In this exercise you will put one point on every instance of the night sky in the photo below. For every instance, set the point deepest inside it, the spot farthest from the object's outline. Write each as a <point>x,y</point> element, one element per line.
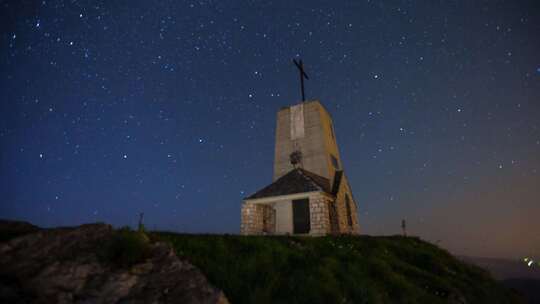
<point>111,108</point>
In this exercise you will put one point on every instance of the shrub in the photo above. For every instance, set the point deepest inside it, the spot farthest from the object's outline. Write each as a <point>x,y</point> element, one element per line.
<point>127,248</point>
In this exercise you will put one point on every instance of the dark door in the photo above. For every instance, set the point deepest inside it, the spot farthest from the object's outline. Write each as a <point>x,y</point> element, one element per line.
<point>301,223</point>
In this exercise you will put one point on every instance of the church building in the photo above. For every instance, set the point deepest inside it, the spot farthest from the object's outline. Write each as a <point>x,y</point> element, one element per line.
<point>310,194</point>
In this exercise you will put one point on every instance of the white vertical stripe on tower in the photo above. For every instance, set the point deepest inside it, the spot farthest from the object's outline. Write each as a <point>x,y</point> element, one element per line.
<point>297,121</point>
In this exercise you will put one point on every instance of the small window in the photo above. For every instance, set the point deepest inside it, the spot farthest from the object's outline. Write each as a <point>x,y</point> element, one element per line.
<point>348,206</point>
<point>334,162</point>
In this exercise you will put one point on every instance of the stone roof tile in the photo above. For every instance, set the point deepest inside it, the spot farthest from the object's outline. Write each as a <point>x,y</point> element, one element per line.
<point>296,181</point>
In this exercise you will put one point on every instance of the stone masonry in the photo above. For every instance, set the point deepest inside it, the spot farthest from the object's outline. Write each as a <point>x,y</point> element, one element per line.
<point>319,214</point>
<point>341,208</point>
<point>257,219</point>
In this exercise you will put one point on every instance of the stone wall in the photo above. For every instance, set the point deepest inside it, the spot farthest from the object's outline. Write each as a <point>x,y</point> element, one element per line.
<point>269,219</point>
<point>319,215</point>
<point>260,218</point>
<point>257,219</point>
<point>341,208</point>
<point>333,215</point>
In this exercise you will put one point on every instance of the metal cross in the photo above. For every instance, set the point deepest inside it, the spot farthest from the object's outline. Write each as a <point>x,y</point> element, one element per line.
<point>300,65</point>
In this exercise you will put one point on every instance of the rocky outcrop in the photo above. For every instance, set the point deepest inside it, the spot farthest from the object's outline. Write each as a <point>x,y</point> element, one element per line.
<point>67,265</point>
<point>10,229</point>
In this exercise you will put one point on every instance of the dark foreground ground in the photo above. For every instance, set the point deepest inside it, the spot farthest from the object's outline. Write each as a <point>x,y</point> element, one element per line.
<point>262,269</point>
<point>345,269</point>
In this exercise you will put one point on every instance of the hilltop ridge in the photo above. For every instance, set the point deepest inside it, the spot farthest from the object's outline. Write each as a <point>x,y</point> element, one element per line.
<point>76,264</point>
<point>337,269</point>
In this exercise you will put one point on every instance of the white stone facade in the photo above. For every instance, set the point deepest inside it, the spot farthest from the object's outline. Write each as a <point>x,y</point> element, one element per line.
<point>273,215</point>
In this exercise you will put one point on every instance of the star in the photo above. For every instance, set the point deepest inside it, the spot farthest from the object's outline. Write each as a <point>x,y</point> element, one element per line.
<point>89,83</point>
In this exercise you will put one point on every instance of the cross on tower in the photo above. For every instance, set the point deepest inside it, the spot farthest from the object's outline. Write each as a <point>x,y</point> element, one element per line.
<point>300,65</point>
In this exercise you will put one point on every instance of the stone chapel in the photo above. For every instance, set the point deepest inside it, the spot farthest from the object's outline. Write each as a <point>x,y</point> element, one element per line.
<point>310,194</point>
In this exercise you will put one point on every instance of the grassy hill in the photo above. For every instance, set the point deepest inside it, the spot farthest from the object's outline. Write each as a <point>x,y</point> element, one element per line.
<point>346,269</point>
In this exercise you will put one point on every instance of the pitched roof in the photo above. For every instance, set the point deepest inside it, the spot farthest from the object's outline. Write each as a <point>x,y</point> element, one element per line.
<point>296,181</point>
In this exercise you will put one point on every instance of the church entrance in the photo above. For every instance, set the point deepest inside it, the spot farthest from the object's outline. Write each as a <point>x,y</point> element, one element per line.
<point>301,222</point>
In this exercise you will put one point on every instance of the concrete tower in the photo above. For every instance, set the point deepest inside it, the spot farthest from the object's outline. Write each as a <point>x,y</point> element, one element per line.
<point>310,193</point>
<point>307,128</point>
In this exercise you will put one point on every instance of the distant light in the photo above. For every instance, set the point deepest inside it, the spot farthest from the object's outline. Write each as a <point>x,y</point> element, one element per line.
<point>40,155</point>
<point>530,263</point>
<point>125,156</point>
<point>375,76</point>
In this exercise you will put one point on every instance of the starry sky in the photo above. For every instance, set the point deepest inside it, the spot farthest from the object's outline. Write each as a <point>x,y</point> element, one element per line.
<point>111,108</point>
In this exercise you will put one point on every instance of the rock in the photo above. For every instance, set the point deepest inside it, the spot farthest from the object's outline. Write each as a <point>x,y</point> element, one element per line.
<point>67,265</point>
<point>10,229</point>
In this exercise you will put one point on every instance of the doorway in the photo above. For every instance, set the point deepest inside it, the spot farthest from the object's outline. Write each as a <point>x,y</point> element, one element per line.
<point>301,221</point>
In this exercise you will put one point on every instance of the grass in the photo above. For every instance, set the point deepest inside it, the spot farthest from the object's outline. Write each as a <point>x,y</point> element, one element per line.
<point>346,269</point>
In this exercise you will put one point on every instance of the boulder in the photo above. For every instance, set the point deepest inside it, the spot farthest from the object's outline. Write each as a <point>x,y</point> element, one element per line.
<point>70,265</point>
